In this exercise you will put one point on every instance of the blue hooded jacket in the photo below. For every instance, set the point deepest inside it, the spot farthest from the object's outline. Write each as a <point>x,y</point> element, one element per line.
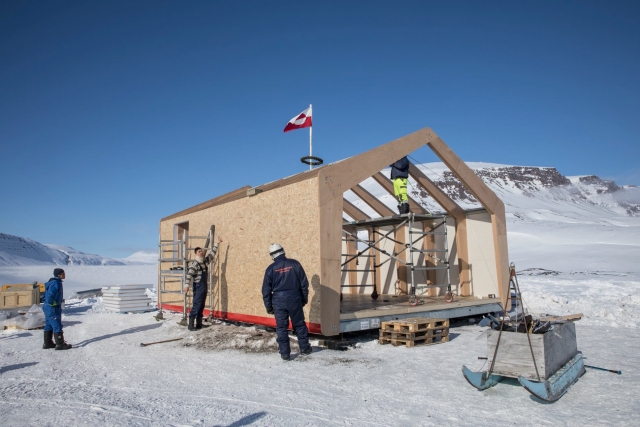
<point>53,292</point>
<point>400,169</point>
<point>284,276</point>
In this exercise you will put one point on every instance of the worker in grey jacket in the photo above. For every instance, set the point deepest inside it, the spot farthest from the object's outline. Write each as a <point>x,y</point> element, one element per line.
<point>197,275</point>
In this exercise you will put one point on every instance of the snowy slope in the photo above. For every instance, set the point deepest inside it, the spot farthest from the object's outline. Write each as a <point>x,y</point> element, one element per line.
<point>17,251</point>
<point>80,258</point>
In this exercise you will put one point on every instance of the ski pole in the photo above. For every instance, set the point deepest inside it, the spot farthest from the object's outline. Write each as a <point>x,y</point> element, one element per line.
<point>604,369</point>
<point>143,344</point>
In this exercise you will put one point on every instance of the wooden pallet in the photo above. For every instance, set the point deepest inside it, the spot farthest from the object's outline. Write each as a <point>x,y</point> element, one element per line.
<point>414,332</point>
<point>433,338</point>
<point>415,324</point>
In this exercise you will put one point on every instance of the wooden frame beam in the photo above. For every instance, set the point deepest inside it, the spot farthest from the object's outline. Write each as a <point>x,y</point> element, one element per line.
<point>371,200</point>
<point>353,211</point>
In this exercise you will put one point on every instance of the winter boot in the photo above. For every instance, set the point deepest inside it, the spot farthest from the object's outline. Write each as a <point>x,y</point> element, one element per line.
<point>306,351</point>
<point>60,344</point>
<point>199,324</point>
<point>191,327</point>
<point>48,340</point>
<point>285,357</point>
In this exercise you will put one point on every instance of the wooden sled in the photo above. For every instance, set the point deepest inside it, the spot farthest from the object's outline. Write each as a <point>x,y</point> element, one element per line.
<point>549,390</point>
<point>481,380</point>
<point>557,385</point>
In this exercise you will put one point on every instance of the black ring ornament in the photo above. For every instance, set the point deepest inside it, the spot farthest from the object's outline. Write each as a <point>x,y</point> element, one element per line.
<point>312,160</point>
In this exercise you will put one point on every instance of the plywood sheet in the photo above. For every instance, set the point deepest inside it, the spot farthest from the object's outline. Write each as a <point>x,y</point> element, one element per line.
<point>285,214</point>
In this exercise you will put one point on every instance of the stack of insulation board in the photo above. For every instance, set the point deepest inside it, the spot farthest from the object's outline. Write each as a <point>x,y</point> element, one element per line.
<point>126,298</point>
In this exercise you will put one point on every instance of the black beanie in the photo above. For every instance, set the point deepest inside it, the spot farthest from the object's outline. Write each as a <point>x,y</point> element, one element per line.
<point>57,272</point>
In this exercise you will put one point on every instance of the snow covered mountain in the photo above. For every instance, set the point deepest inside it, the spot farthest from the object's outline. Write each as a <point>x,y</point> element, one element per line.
<point>16,250</point>
<point>548,214</point>
<point>523,189</point>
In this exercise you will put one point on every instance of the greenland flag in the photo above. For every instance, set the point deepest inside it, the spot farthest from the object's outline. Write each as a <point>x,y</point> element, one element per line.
<point>302,120</point>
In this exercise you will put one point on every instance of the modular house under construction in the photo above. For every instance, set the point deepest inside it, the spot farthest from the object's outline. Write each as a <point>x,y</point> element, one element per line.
<point>361,272</point>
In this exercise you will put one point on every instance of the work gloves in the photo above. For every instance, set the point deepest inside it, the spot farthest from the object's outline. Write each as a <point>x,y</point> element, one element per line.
<point>269,310</point>
<point>305,301</point>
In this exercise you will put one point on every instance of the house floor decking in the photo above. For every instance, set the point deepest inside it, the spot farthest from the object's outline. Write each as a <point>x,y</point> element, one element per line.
<point>359,312</point>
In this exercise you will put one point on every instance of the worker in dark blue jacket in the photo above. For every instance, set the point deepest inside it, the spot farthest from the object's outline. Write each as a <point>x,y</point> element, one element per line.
<point>285,290</point>
<point>399,176</point>
<point>52,307</point>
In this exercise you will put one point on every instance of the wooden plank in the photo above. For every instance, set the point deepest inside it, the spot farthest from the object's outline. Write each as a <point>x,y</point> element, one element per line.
<point>429,242</point>
<point>414,324</point>
<point>376,262</point>
<point>422,333</point>
<point>434,191</point>
<point>352,249</point>
<point>16,327</point>
<point>417,342</point>
<point>401,270</point>
<point>225,198</point>
<point>372,201</point>
<point>290,179</point>
<point>330,260</point>
<point>387,184</point>
<point>573,317</point>
<point>353,211</point>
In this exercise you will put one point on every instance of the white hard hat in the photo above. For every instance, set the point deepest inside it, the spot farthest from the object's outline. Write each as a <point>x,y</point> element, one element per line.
<point>275,250</point>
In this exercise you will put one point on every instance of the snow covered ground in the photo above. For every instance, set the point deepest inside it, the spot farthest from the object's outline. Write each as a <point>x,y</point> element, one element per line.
<point>203,380</point>
<point>108,379</point>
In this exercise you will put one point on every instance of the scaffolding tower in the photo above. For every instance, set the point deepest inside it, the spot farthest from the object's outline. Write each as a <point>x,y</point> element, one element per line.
<point>439,256</point>
<point>179,253</point>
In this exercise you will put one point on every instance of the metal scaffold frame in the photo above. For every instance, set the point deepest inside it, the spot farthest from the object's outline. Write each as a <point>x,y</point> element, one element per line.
<point>398,221</point>
<point>182,251</point>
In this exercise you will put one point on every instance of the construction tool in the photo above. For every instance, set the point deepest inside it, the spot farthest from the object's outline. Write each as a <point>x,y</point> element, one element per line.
<point>604,369</point>
<point>145,344</point>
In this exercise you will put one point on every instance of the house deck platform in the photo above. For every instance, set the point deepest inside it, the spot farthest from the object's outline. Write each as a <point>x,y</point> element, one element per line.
<point>359,312</point>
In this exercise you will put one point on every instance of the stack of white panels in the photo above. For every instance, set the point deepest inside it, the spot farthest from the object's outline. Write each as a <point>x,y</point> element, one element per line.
<point>126,298</point>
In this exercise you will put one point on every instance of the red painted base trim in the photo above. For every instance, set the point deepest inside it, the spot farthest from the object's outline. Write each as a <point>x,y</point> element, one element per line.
<point>314,328</point>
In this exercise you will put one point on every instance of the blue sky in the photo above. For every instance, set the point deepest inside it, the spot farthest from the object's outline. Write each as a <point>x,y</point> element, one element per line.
<point>116,114</point>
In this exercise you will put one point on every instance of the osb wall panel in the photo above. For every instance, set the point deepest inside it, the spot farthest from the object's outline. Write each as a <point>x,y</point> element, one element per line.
<point>287,215</point>
<point>484,280</point>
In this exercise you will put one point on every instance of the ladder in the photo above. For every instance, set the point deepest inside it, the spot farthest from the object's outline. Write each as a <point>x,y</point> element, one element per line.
<point>174,257</point>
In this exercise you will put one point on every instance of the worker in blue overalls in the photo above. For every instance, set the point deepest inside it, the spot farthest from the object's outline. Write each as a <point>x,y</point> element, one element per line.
<point>52,308</point>
<point>285,290</point>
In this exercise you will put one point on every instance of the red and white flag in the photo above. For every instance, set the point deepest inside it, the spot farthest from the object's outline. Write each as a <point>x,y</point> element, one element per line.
<point>302,120</point>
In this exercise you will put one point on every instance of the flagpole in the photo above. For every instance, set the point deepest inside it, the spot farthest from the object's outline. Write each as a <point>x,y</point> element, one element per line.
<point>310,143</point>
